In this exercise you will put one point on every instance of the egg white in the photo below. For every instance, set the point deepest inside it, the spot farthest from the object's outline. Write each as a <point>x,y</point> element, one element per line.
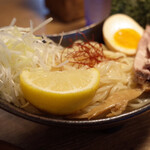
<point>114,23</point>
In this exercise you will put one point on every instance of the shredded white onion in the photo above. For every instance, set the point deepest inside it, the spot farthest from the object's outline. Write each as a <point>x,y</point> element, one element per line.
<point>13,22</point>
<point>20,49</point>
<point>41,25</point>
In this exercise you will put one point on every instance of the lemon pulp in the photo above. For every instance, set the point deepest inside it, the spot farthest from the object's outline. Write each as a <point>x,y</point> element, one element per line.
<point>59,92</point>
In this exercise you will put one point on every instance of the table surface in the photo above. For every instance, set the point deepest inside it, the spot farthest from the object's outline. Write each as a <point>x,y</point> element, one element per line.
<point>133,135</point>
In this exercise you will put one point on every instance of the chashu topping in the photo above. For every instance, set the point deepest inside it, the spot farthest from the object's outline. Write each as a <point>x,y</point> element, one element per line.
<point>142,59</point>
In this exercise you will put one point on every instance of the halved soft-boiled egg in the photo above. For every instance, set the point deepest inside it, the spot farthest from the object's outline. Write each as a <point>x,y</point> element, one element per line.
<point>122,33</point>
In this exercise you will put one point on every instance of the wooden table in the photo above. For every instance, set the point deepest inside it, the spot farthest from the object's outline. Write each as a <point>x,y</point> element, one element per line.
<point>26,10</point>
<point>134,135</point>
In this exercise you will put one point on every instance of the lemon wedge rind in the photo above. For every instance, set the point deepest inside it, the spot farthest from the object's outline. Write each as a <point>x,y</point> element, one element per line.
<point>60,102</point>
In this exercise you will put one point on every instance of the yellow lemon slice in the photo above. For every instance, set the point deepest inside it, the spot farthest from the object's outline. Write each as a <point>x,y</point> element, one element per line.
<point>60,92</point>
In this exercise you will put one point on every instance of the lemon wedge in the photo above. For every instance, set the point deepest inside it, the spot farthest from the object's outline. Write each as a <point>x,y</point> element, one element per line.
<point>60,92</point>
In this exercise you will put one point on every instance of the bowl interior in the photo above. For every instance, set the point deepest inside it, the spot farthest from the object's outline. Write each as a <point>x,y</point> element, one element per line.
<point>91,32</point>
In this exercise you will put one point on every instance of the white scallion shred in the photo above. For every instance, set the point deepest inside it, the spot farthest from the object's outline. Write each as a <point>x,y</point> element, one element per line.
<point>20,49</point>
<point>13,22</point>
<point>41,25</point>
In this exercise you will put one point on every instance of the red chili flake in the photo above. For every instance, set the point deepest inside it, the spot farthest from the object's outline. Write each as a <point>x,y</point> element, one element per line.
<point>87,54</point>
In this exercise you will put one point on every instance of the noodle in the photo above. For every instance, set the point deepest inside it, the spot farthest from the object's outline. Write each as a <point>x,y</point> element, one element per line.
<point>115,75</point>
<point>20,49</point>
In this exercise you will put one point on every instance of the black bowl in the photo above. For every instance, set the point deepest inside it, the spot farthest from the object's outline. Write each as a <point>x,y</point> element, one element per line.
<point>82,124</point>
<point>91,32</point>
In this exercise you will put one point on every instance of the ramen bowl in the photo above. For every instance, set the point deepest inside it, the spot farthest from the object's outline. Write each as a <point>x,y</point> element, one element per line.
<point>91,32</point>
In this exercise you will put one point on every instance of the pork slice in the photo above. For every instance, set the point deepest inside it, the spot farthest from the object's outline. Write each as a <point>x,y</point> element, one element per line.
<point>142,58</point>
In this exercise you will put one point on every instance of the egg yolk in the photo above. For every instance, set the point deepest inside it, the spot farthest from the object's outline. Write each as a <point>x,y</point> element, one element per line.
<point>127,38</point>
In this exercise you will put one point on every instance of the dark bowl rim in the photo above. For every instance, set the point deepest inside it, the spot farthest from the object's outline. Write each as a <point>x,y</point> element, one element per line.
<point>66,122</point>
<point>86,27</point>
